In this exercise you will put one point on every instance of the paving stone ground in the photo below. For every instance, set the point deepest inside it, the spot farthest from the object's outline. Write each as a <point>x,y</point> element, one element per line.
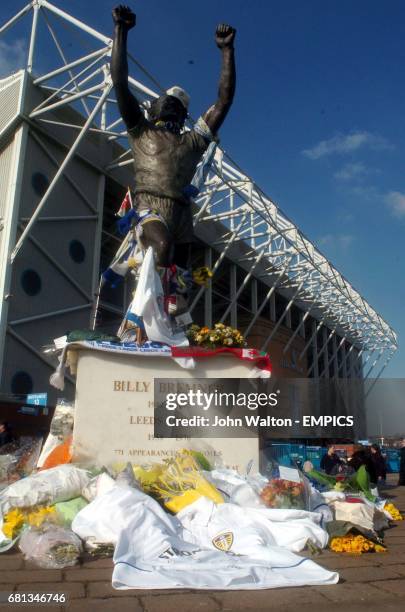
<point>369,582</point>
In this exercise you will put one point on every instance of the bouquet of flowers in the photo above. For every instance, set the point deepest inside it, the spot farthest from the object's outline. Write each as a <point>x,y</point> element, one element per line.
<point>280,493</point>
<point>177,482</point>
<point>359,482</point>
<point>356,544</point>
<point>50,546</point>
<point>17,518</point>
<point>219,335</point>
<point>202,275</point>
<point>393,511</point>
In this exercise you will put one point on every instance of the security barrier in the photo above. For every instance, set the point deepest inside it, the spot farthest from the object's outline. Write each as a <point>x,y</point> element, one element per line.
<point>289,454</point>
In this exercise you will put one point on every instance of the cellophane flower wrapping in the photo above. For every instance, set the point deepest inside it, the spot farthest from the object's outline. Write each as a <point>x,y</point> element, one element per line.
<point>50,546</point>
<point>282,492</point>
<point>177,483</point>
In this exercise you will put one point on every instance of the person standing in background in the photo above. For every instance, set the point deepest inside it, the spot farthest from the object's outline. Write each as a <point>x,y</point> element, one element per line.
<point>331,462</point>
<point>379,463</point>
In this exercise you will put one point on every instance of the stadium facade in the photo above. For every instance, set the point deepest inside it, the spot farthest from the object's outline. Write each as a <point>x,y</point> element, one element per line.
<point>65,166</point>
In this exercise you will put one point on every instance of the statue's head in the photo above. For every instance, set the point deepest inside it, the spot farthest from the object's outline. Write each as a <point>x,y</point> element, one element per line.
<point>171,106</point>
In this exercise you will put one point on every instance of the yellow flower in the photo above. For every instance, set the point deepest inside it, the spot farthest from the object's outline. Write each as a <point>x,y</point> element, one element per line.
<point>378,548</point>
<point>13,521</point>
<point>354,545</point>
<point>394,512</point>
<point>16,518</point>
<point>219,335</point>
<point>202,275</point>
<point>38,516</point>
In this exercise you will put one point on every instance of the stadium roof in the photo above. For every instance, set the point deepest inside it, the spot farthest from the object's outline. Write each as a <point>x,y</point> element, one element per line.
<point>274,247</point>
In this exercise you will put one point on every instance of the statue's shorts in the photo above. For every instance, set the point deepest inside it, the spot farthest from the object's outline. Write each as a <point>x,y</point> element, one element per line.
<point>177,217</point>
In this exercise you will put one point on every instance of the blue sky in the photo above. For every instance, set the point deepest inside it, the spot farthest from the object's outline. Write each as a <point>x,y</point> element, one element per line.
<point>318,119</point>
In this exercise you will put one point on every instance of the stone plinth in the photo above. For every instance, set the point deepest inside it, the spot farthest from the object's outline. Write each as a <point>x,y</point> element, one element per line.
<point>114,410</point>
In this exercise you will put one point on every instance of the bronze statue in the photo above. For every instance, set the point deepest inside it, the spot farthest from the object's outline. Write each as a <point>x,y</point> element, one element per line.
<point>165,158</point>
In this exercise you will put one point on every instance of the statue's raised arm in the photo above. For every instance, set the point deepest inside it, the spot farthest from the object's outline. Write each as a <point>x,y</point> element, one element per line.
<point>124,20</point>
<point>214,117</point>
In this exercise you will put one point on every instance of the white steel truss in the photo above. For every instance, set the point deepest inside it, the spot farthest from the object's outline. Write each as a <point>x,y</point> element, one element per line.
<point>280,254</point>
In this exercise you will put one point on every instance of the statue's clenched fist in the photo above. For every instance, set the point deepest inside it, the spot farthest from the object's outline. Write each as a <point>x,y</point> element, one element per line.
<point>122,15</point>
<point>224,35</point>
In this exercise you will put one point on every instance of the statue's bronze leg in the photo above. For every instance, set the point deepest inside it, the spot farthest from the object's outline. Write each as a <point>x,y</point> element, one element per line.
<point>156,235</point>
